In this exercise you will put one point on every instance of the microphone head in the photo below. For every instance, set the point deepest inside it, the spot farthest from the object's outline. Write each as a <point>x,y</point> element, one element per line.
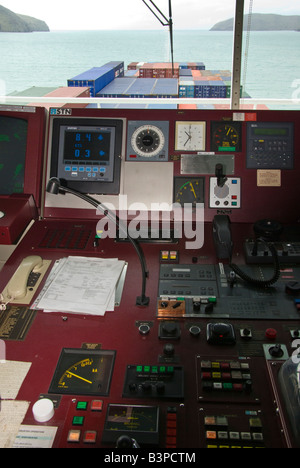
<point>53,185</point>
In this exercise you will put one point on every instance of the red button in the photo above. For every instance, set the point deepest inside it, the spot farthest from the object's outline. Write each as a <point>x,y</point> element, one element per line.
<point>271,333</point>
<point>90,437</point>
<point>97,405</point>
<point>171,424</point>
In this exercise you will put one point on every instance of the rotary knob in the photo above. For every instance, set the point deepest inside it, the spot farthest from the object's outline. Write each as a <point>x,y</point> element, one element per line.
<point>220,334</point>
<point>292,288</point>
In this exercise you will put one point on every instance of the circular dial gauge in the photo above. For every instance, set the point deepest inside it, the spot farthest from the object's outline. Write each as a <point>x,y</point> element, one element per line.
<point>188,190</point>
<point>190,136</point>
<point>226,137</point>
<point>83,372</point>
<point>148,141</point>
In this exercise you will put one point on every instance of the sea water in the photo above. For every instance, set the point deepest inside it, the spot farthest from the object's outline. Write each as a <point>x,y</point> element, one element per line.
<point>271,63</point>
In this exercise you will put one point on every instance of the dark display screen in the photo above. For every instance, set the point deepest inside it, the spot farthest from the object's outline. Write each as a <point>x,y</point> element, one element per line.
<point>13,143</point>
<point>132,418</point>
<point>86,153</point>
<point>87,146</point>
<point>270,131</point>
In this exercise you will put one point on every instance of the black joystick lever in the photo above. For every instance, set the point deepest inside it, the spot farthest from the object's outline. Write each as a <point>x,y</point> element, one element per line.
<point>219,173</point>
<point>126,442</point>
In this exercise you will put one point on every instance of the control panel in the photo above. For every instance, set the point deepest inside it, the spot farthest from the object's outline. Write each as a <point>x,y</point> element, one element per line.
<point>167,329</point>
<point>227,195</point>
<point>270,145</point>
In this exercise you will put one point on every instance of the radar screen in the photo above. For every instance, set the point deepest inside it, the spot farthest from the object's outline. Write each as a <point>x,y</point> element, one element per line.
<point>138,422</point>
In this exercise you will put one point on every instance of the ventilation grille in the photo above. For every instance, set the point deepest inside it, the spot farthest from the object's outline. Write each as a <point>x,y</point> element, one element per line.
<point>72,239</point>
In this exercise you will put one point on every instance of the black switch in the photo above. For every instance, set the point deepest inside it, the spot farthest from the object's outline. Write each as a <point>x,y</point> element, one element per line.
<point>220,334</point>
<point>169,330</point>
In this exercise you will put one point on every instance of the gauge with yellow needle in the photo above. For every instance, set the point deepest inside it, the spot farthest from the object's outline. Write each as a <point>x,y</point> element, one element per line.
<point>83,372</point>
<point>188,190</point>
<point>226,137</point>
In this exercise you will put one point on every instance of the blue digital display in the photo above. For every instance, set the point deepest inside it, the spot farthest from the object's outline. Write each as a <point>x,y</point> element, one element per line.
<point>87,146</point>
<point>86,153</point>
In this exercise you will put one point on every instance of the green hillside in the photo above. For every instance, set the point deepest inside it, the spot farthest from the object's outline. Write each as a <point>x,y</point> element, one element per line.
<point>263,22</point>
<point>13,22</point>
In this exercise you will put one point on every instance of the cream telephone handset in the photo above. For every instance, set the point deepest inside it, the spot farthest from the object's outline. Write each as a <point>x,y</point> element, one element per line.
<point>18,289</point>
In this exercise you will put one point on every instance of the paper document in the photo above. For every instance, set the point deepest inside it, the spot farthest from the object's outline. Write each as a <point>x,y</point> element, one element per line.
<point>84,285</point>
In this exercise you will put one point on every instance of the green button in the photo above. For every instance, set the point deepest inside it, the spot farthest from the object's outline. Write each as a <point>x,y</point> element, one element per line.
<point>170,369</point>
<point>78,420</point>
<point>139,368</point>
<point>81,405</point>
<point>162,369</point>
<point>154,369</point>
<point>147,369</point>
<point>227,386</point>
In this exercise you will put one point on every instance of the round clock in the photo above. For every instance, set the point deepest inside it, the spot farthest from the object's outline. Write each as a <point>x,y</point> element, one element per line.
<point>190,136</point>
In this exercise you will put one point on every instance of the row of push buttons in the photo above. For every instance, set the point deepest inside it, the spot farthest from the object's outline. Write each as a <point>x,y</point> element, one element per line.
<point>171,435</point>
<point>89,436</point>
<point>226,375</point>
<point>84,169</point>
<point>154,370</point>
<point>219,435</point>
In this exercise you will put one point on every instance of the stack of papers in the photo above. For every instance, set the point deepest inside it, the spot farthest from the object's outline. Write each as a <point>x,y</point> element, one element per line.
<point>84,285</point>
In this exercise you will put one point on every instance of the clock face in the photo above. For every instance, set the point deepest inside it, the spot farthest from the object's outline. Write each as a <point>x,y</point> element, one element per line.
<point>190,136</point>
<point>148,141</point>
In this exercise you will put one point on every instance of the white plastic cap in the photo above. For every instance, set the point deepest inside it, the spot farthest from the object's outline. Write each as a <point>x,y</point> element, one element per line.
<point>43,410</point>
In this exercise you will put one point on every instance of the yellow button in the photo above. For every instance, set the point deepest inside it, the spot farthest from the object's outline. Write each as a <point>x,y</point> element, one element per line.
<point>73,436</point>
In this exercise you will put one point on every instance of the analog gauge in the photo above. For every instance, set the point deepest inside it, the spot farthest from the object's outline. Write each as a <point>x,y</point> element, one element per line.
<point>190,136</point>
<point>188,190</point>
<point>83,372</point>
<point>226,137</point>
<point>148,141</point>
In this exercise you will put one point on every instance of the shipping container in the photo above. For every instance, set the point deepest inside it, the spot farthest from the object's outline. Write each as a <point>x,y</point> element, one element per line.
<point>98,77</point>
<point>66,92</point>
<point>117,88</point>
<point>166,87</point>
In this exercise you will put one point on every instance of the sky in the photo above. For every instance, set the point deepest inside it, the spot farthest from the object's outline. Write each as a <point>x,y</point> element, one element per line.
<point>133,14</point>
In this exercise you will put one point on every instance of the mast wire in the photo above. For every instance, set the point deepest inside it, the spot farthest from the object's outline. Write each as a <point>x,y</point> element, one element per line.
<point>247,45</point>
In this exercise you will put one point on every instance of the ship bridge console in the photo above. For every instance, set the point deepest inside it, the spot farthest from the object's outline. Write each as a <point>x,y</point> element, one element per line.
<point>151,297</point>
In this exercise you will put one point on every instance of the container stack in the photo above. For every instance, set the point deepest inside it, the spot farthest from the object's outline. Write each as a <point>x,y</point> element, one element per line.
<point>155,80</point>
<point>159,70</point>
<point>140,88</point>
<point>98,77</point>
<point>205,84</point>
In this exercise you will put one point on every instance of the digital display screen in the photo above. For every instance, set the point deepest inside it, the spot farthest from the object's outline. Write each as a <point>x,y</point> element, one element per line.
<point>140,422</point>
<point>13,143</point>
<point>86,153</point>
<point>270,131</point>
<point>87,145</point>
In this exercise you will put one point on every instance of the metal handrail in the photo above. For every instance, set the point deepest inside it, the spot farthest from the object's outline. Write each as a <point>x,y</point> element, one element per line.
<point>35,100</point>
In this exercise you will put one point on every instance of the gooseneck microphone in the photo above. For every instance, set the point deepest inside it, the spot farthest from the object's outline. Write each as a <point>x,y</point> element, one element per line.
<point>54,186</point>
